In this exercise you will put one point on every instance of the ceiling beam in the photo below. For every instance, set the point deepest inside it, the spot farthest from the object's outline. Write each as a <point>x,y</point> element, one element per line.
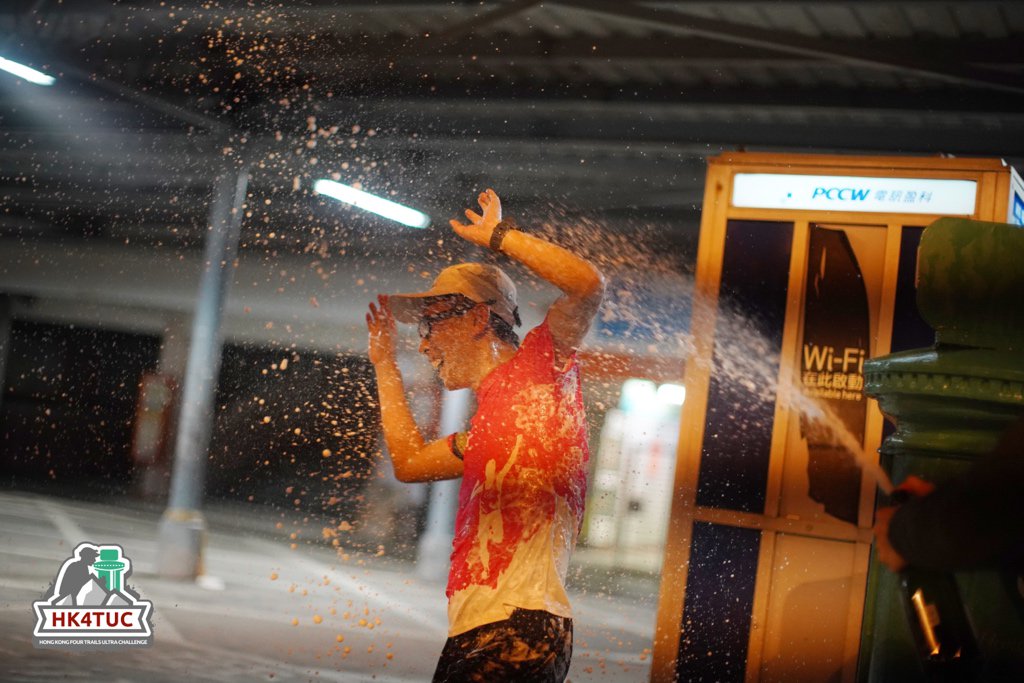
<point>156,104</point>
<point>569,128</point>
<point>933,66</point>
<point>298,7</point>
<point>352,52</point>
<point>478,22</point>
<point>685,127</point>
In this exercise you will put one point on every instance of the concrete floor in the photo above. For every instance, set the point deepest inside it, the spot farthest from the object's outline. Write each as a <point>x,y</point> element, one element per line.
<point>265,611</point>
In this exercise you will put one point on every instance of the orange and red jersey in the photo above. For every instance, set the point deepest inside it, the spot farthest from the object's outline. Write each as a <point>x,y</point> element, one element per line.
<point>523,489</point>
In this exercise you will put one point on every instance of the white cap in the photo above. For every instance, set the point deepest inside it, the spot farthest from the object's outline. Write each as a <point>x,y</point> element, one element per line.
<point>479,282</point>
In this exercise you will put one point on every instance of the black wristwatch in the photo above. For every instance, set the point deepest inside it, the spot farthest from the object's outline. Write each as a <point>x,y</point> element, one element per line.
<point>498,234</point>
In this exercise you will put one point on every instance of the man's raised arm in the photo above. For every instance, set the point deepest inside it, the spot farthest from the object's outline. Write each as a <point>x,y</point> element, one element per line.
<point>412,458</point>
<point>581,283</point>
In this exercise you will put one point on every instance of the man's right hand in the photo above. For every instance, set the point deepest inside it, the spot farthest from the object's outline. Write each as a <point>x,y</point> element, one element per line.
<point>381,325</point>
<point>916,486</point>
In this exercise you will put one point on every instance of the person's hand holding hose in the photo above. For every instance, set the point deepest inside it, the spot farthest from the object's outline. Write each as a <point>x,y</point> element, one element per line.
<point>911,487</point>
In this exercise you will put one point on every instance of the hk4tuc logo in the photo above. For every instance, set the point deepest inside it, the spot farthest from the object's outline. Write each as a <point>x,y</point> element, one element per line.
<point>90,604</point>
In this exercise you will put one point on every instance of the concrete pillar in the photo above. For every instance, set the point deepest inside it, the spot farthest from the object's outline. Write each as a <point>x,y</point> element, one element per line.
<point>182,527</point>
<point>435,547</point>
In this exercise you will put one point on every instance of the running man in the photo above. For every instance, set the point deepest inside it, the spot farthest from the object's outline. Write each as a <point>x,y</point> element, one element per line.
<point>523,460</point>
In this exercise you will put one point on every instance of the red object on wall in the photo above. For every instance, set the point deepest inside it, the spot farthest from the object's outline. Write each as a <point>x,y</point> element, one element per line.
<point>153,412</point>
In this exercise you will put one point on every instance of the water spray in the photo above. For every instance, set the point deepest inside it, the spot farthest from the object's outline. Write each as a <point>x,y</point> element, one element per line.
<point>820,411</point>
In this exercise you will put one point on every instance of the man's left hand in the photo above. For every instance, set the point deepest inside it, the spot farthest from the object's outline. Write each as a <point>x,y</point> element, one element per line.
<point>480,226</point>
<point>888,555</point>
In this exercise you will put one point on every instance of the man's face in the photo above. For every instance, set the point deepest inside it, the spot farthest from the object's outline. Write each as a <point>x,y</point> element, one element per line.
<point>446,337</point>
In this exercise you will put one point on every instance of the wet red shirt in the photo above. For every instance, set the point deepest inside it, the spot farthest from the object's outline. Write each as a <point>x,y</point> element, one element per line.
<point>523,489</point>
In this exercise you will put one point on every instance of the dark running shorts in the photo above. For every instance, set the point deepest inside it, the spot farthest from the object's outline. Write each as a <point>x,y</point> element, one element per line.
<point>531,646</point>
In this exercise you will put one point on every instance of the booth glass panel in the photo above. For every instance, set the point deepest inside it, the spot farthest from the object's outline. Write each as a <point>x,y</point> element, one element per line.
<point>715,632</point>
<point>745,365</point>
<point>909,330</point>
<point>810,594</point>
<point>839,329</point>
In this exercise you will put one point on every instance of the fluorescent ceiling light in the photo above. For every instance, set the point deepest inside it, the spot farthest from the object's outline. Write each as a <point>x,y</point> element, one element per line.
<point>28,73</point>
<point>372,203</point>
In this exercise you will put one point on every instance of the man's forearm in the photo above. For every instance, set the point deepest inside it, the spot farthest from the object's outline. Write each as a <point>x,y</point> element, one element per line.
<point>401,434</point>
<point>575,276</point>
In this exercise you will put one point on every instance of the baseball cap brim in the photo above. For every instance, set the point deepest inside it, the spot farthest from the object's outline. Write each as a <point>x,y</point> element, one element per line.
<point>477,282</point>
<point>408,308</point>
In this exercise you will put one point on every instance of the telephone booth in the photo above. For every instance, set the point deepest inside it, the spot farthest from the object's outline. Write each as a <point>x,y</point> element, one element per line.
<point>805,268</point>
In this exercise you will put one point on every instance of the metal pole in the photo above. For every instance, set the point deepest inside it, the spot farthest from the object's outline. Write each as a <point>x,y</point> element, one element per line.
<point>5,342</point>
<point>435,547</point>
<point>182,527</point>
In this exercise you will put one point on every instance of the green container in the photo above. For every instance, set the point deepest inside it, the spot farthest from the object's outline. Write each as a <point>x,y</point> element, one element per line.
<point>950,404</point>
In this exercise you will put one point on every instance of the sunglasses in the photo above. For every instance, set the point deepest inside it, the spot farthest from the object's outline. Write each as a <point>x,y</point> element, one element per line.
<point>459,307</point>
<point>428,321</point>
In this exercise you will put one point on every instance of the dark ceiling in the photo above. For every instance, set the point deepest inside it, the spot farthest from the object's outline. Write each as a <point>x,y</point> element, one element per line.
<point>599,106</point>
